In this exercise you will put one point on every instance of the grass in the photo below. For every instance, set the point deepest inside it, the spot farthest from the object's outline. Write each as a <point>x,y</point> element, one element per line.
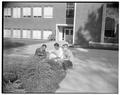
<point>32,75</point>
<point>12,42</point>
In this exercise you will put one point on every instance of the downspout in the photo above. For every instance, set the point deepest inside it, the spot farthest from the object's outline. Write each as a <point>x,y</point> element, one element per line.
<point>74,23</point>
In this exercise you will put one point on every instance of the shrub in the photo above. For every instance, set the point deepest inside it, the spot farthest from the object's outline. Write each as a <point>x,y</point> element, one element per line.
<point>52,37</point>
<point>35,75</point>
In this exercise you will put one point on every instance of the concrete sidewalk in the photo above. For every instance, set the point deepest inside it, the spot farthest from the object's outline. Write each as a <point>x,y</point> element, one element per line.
<point>94,71</point>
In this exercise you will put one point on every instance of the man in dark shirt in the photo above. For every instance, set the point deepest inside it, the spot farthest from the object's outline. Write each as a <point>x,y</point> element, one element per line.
<point>41,52</point>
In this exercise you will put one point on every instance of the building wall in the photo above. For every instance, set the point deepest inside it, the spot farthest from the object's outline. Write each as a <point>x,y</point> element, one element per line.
<point>88,23</point>
<point>59,17</point>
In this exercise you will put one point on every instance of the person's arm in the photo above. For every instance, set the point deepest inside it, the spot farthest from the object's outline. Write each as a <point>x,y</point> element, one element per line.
<point>54,53</point>
<point>61,54</point>
<point>38,52</point>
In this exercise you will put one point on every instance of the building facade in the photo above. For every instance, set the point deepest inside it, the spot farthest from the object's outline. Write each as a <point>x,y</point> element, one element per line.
<point>32,20</point>
<point>96,23</point>
<point>76,23</point>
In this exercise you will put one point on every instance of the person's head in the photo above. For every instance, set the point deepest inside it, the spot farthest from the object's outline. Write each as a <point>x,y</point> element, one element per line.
<point>44,46</point>
<point>65,46</point>
<point>56,45</point>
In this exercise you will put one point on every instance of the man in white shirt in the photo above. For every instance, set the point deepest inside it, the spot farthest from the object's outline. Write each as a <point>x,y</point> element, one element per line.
<point>57,53</point>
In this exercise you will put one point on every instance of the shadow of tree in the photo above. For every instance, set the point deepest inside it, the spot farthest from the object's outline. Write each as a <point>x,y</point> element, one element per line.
<point>94,25</point>
<point>7,44</point>
<point>91,30</point>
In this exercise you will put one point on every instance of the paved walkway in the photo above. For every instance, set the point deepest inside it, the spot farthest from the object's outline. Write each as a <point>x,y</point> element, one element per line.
<point>94,71</point>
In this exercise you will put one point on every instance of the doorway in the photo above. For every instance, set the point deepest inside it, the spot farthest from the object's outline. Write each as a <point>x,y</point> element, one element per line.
<point>64,32</point>
<point>68,35</point>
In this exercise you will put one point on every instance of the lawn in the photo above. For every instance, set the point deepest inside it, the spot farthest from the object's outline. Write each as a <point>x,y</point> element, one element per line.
<point>29,74</point>
<point>96,71</point>
<point>12,42</point>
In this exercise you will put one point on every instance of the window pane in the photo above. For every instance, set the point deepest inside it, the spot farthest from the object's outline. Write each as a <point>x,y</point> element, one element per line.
<point>26,12</point>
<point>7,33</point>
<point>109,33</point>
<point>16,13</point>
<point>7,12</point>
<point>26,34</point>
<point>48,12</point>
<point>70,13</point>
<point>109,27</point>
<point>37,11</point>
<point>71,32</point>
<point>46,34</point>
<point>16,33</point>
<point>36,34</point>
<point>70,5</point>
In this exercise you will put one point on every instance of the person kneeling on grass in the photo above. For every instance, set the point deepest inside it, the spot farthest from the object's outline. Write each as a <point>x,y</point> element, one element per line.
<point>67,57</point>
<point>41,52</point>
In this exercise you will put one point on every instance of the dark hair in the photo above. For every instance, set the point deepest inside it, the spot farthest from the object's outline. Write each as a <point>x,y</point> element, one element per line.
<point>56,44</point>
<point>44,45</point>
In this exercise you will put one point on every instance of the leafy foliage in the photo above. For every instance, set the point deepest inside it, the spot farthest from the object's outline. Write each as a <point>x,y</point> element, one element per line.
<point>33,75</point>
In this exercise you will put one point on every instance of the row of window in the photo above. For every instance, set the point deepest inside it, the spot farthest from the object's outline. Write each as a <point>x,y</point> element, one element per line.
<point>34,34</point>
<point>27,12</point>
<point>70,10</point>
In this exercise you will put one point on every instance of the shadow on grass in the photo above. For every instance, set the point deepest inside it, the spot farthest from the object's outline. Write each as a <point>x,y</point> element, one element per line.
<point>7,44</point>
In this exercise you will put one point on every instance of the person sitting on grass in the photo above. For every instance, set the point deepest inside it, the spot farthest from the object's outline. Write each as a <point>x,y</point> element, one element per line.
<point>57,53</point>
<point>41,52</point>
<point>67,57</point>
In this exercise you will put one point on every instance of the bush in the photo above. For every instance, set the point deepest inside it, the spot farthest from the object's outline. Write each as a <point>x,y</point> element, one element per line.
<point>35,75</point>
<point>52,37</point>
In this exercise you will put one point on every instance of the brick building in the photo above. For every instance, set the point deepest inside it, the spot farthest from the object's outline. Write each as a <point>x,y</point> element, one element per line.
<point>76,23</point>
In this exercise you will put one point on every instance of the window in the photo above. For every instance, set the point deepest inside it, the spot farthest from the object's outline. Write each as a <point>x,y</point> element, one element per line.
<point>109,27</point>
<point>26,34</point>
<point>70,10</point>
<point>70,13</point>
<point>46,34</point>
<point>36,34</point>
<point>7,12</point>
<point>48,12</point>
<point>67,32</point>
<point>26,12</point>
<point>7,33</point>
<point>16,33</point>
<point>37,12</point>
<point>71,32</point>
<point>16,12</point>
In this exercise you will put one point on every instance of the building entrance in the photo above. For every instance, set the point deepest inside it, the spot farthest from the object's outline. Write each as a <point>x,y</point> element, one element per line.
<point>68,35</point>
